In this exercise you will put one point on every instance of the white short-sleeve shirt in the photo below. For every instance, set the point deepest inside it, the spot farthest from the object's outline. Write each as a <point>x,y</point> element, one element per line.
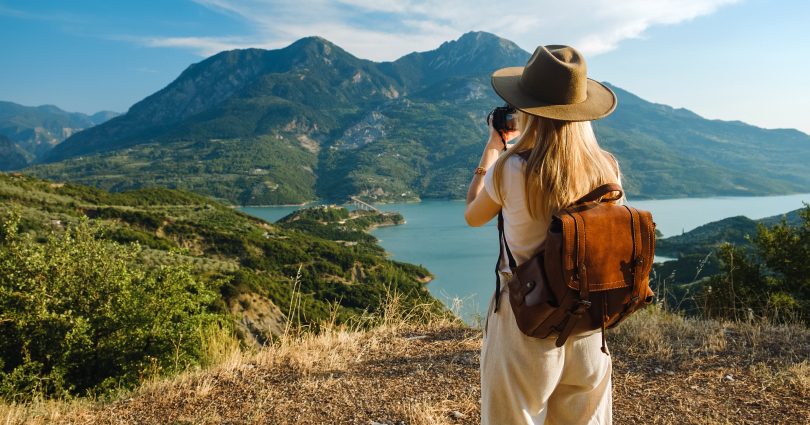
<point>524,235</point>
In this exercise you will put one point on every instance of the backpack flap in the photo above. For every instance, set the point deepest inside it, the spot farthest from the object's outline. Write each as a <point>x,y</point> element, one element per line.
<point>614,243</point>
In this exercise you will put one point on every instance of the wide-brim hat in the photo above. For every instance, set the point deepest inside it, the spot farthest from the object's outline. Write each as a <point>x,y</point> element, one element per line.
<point>554,84</point>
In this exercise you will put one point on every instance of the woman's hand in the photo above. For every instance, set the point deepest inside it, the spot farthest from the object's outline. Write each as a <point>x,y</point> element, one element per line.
<point>480,207</point>
<point>495,137</point>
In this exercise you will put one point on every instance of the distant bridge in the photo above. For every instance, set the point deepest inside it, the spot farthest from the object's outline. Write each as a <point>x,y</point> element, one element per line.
<point>362,205</point>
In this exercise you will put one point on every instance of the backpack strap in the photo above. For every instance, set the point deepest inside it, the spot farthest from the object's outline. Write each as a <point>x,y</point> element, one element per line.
<point>638,266</point>
<point>600,192</point>
<point>512,262</point>
<point>581,275</point>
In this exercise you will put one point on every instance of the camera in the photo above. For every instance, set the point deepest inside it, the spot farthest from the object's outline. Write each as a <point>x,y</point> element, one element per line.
<point>503,118</point>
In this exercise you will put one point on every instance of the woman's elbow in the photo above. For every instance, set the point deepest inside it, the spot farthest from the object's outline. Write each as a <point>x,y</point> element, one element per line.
<point>472,220</point>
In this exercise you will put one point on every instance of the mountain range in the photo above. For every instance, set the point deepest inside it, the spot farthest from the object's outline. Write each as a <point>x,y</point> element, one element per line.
<point>35,130</point>
<point>309,121</point>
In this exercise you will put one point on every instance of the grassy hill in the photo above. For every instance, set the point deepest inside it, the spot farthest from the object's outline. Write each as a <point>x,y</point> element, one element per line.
<point>310,121</point>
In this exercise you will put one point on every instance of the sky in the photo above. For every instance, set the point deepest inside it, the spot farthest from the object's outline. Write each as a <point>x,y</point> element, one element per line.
<point>744,60</point>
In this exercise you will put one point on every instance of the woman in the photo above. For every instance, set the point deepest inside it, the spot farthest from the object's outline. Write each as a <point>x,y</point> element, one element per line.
<point>555,161</point>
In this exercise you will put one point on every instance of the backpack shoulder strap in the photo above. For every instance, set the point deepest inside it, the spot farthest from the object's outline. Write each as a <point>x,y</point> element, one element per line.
<point>512,263</point>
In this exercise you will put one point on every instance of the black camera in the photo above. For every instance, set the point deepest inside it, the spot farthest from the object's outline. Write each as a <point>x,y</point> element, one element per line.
<point>504,118</point>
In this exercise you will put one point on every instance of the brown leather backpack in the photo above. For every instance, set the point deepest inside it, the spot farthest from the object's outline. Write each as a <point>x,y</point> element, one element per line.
<point>592,274</point>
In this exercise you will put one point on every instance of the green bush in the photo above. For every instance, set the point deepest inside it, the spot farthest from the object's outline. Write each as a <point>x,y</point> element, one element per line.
<point>77,317</point>
<point>774,280</point>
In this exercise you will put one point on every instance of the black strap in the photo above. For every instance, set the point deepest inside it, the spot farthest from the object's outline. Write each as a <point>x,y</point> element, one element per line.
<point>512,263</point>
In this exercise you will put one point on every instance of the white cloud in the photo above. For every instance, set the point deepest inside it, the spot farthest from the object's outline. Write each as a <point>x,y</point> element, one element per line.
<point>204,46</point>
<point>387,29</point>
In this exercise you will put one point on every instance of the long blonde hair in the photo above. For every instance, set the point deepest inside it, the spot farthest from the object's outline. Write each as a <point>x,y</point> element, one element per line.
<point>564,163</point>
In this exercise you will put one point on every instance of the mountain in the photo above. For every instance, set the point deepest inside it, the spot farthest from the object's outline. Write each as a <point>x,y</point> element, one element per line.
<point>103,116</point>
<point>36,130</point>
<point>309,121</point>
<point>669,152</point>
<point>11,156</point>
<point>475,53</point>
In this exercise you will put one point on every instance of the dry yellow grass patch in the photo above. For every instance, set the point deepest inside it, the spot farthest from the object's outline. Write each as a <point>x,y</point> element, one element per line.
<point>418,368</point>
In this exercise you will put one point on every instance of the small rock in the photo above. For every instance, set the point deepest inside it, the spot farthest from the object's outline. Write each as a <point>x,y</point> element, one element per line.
<point>729,378</point>
<point>658,370</point>
<point>415,337</point>
<point>669,372</point>
<point>457,415</point>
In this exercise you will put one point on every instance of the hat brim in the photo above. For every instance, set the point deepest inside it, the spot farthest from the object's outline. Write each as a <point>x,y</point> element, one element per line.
<point>600,102</point>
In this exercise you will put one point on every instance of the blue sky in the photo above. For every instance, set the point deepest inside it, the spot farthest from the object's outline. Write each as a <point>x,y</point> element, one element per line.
<point>723,59</point>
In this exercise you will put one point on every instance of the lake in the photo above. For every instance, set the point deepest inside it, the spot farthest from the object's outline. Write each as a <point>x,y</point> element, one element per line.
<point>463,258</point>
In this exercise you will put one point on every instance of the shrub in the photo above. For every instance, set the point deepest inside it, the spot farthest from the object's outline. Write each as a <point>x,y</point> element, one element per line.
<point>774,280</point>
<point>76,316</point>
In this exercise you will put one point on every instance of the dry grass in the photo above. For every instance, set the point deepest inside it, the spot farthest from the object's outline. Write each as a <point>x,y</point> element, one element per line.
<point>415,367</point>
<point>671,369</point>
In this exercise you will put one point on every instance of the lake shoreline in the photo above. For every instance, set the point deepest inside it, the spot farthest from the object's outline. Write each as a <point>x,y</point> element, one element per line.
<point>462,258</point>
<point>644,199</point>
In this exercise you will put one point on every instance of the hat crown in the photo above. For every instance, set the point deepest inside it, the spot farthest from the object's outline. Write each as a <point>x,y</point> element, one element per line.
<point>557,75</point>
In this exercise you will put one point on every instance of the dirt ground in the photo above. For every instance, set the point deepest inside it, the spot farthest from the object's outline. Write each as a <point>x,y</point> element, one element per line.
<point>667,370</point>
<point>432,376</point>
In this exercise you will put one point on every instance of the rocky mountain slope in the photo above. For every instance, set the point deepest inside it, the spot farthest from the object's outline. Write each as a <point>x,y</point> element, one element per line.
<point>36,130</point>
<point>11,156</point>
<point>259,127</point>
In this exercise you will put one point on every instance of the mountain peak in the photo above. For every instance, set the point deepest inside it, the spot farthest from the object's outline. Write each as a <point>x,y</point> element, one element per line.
<point>474,53</point>
<point>470,48</point>
<point>325,46</point>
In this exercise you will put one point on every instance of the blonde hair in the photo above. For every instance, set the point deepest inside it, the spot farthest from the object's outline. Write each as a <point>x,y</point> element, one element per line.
<point>564,163</point>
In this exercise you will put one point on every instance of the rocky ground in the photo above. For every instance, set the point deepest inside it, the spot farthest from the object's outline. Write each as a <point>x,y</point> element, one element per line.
<point>667,370</point>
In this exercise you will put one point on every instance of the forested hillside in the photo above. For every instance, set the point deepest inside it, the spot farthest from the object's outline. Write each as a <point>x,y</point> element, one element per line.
<point>66,293</point>
<point>311,121</point>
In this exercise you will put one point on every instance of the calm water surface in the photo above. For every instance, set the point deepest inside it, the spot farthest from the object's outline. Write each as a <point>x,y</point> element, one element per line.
<point>463,258</point>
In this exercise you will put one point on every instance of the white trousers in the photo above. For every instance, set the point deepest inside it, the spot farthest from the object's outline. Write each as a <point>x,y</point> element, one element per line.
<point>531,381</point>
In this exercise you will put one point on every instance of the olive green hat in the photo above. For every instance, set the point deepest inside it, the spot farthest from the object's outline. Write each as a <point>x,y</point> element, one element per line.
<point>554,84</point>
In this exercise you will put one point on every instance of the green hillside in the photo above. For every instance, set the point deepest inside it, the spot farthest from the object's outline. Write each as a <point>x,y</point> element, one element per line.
<point>697,249</point>
<point>310,121</point>
<point>262,259</point>
<point>733,230</point>
<point>670,152</point>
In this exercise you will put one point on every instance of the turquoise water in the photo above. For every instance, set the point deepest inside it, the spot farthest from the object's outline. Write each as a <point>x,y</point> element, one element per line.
<point>463,258</point>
